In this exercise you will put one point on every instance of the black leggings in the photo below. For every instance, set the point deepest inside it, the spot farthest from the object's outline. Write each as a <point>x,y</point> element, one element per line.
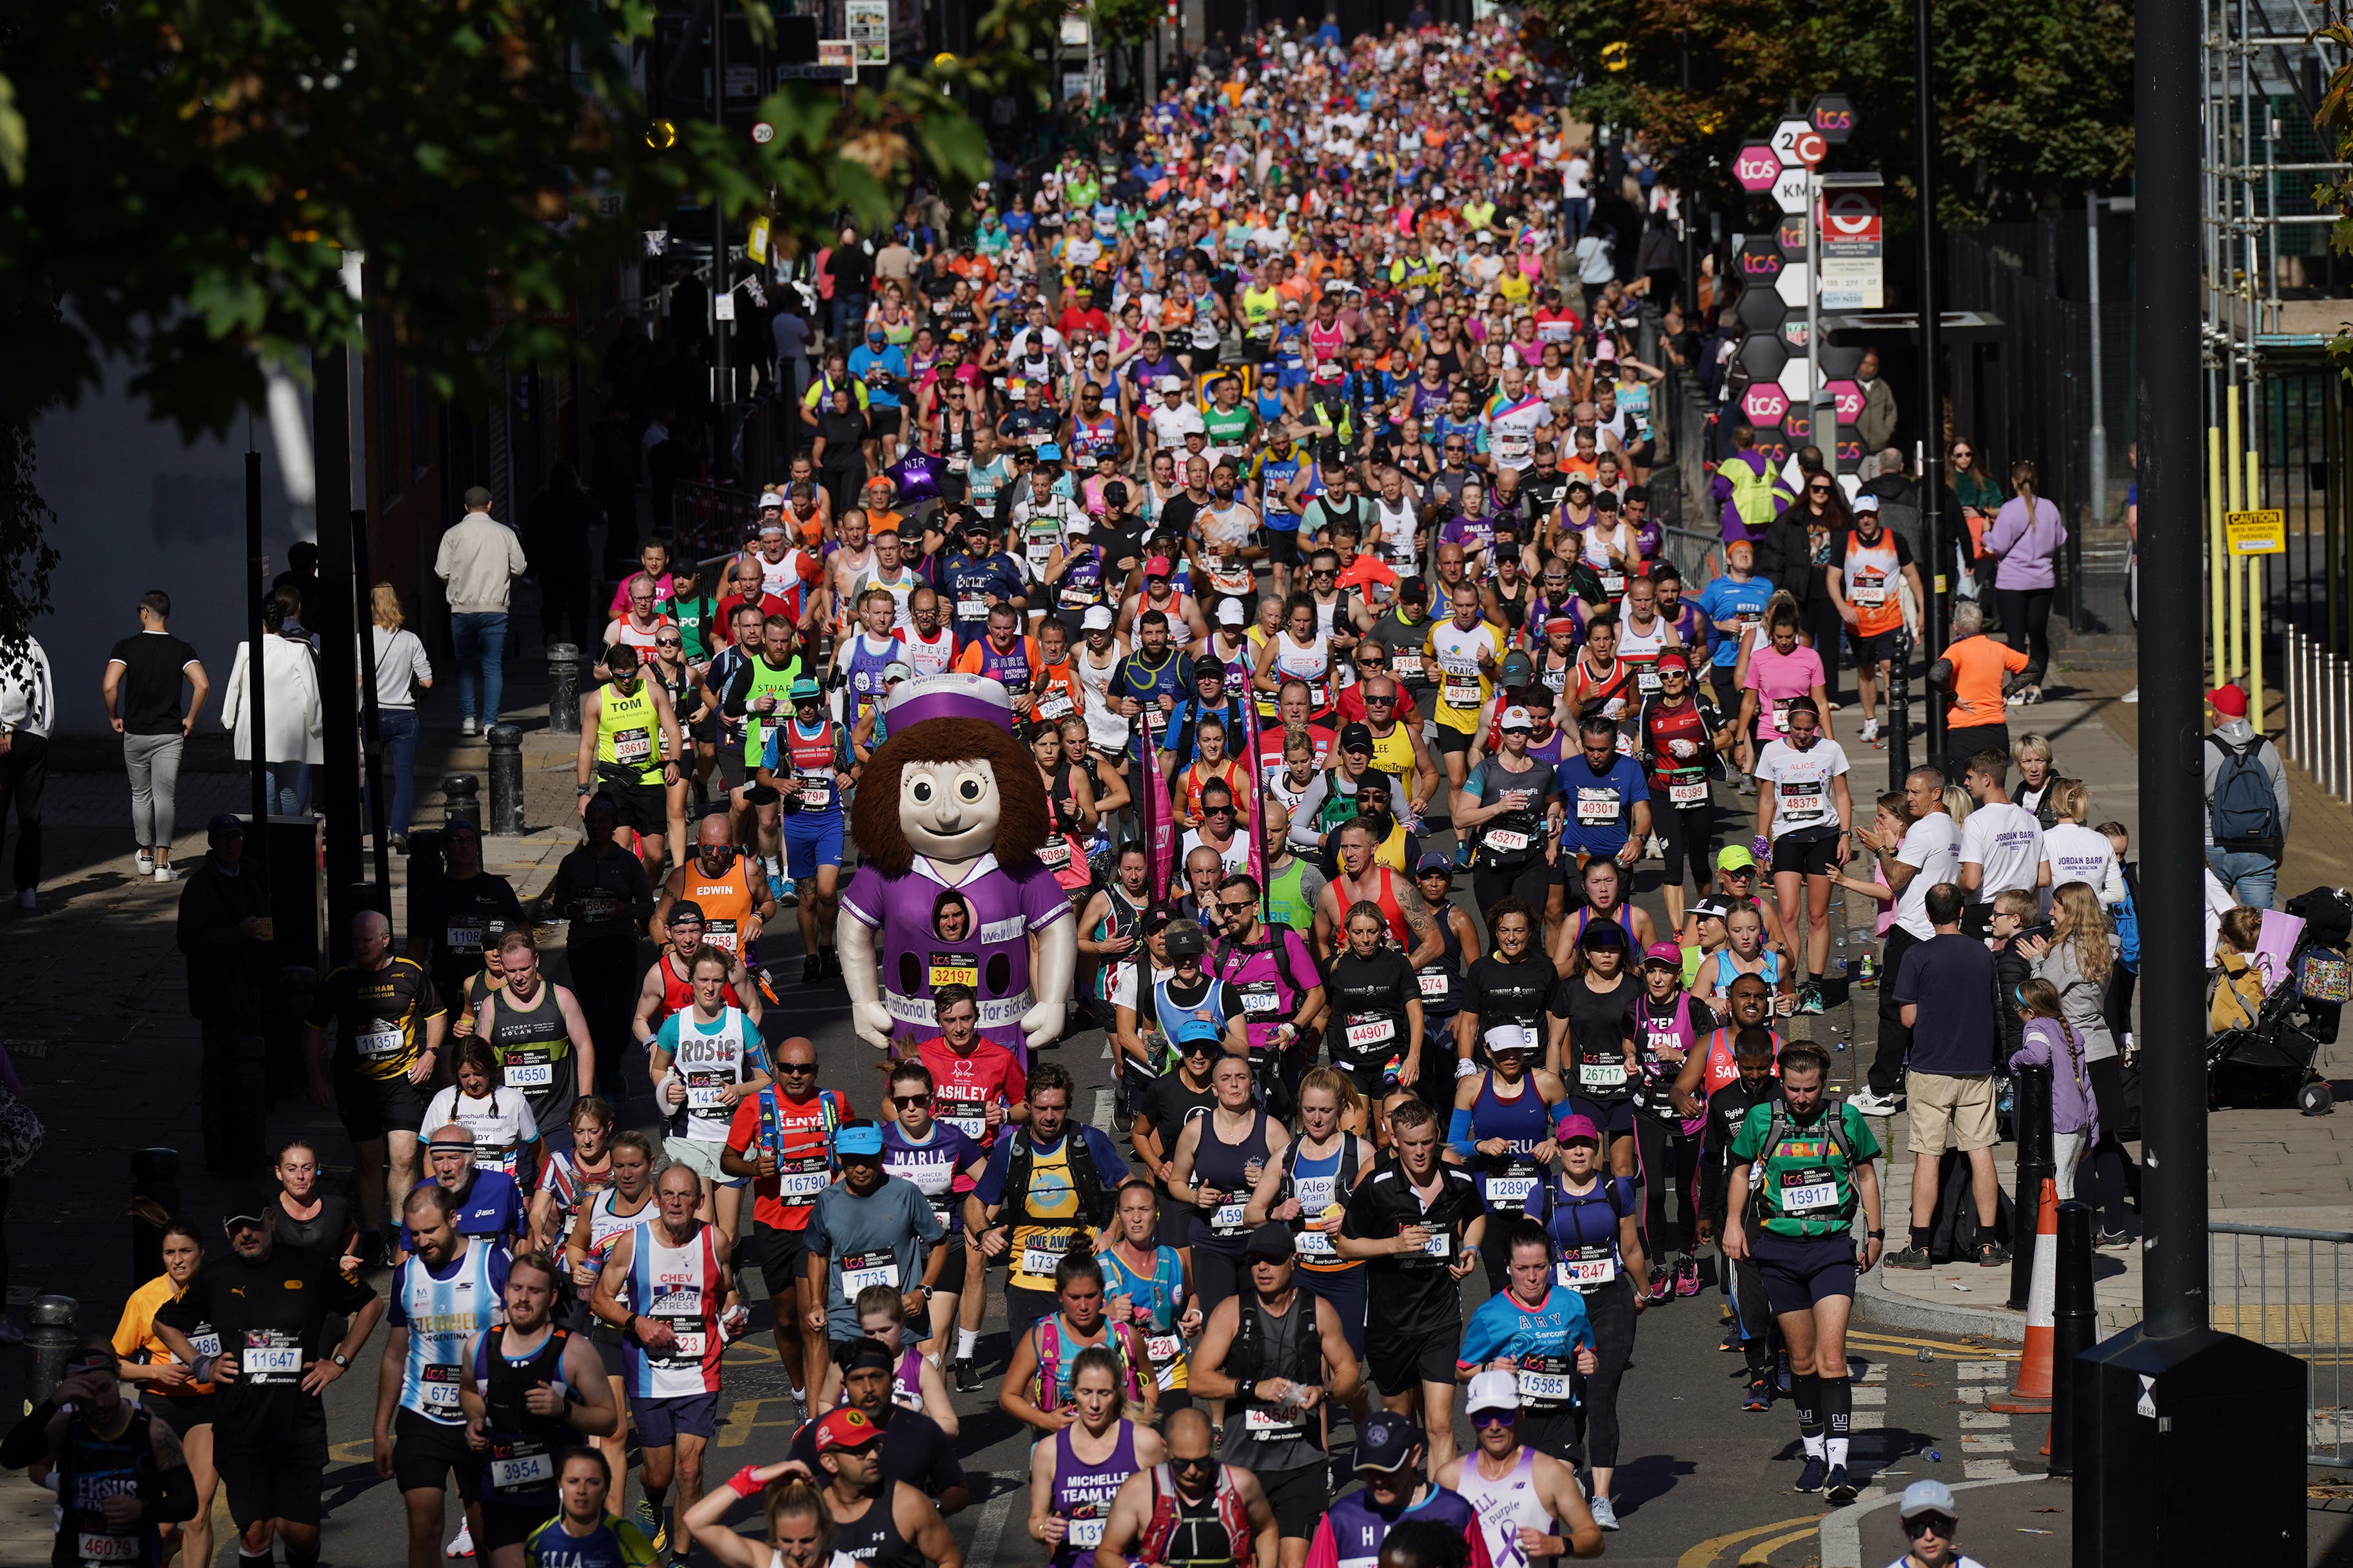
<point>1526,883</point>
<point>2117,1005</point>
<point>1611,1309</point>
<point>2108,1164</point>
<point>1661,1151</point>
<point>1687,835</point>
<point>2026,623</point>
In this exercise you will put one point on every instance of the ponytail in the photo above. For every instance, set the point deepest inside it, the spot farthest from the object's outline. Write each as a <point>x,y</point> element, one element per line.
<point>2021,480</point>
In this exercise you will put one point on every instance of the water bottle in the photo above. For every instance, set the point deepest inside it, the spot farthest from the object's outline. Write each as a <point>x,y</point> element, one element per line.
<point>1867,975</point>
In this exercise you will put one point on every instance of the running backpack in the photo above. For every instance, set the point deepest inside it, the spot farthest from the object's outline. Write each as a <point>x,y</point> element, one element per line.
<point>1780,1127</point>
<point>2243,812</point>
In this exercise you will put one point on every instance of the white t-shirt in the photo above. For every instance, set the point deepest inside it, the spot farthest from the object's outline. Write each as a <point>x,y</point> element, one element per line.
<point>2079,854</point>
<point>1801,784</point>
<point>503,1121</point>
<point>1169,425</point>
<point>1235,856</point>
<point>2008,842</point>
<point>1932,846</point>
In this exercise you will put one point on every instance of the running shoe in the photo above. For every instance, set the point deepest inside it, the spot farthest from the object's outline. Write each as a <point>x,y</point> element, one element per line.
<point>1687,1277</point>
<point>1662,1284</point>
<point>1810,1479</point>
<point>967,1375</point>
<point>1992,1255</point>
<point>1841,1489</point>
<point>463,1546</point>
<point>1906,1257</point>
<point>1870,731</point>
<point>146,861</point>
<point>649,1523</point>
<point>1782,1380</point>
<point>1759,1397</point>
<point>1731,1345</point>
<point>2115,1241</point>
<point>167,874</point>
<point>1810,997</point>
<point>1603,1513</point>
<point>1872,1103</point>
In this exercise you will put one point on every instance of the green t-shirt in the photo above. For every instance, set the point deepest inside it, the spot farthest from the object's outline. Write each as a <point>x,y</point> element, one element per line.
<point>1808,1187</point>
<point>693,616</point>
<point>1229,427</point>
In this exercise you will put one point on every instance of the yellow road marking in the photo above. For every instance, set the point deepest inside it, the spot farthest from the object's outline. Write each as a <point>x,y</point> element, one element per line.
<point>1706,1551</point>
<point>743,1419</point>
<point>1762,1553</point>
<point>1945,1349</point>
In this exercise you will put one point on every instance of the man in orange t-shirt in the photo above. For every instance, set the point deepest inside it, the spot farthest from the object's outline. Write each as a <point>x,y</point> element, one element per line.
<point>1972,668</point>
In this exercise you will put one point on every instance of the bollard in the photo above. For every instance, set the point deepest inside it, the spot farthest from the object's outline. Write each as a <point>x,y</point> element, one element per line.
<point>51,1335</point>
<point>506,780</point>
<point>154,1198</point>
<point>2075,1328</point>
<point>2035,1167</point>
<point>249,1107</point>
<point>1899,715</point>
<point>562,688</point>
<point>461,799</point>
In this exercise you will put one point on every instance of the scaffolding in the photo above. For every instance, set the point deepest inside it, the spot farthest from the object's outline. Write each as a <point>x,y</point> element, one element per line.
<point>2273,298</point>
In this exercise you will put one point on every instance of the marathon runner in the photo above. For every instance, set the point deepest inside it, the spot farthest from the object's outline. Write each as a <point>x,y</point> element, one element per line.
<point>583,1534</point>
<point>450,1289</point>
<point>807,761</point>
<point>977,1086</point>
<point>704,1062</point>
<point>1531,1509</point>
<point>167,1386</point>
<point>1195,1510</point>
<point>729,897</point>
<point>1388,1461</point>
<point>945,1164</point>
<point>532,1026</point>
<point>605,1216</point>
<point>1076,1475</point>
<point>783,1136</point>
<point>870,1228</point>
<point>118,1469</point>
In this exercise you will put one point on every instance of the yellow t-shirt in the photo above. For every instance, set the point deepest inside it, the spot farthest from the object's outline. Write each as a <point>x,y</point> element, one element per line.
<point>1463,686</point>
<point>135,1339</point>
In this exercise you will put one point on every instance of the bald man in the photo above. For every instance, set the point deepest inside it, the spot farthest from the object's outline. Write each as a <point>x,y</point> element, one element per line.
<point>389,1025</point>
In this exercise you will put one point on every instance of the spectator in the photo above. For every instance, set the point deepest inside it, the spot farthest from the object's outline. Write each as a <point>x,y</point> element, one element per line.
<point>224,932</point>
<point>1927,856</point>
<point>401,670</point>
<point>2038,777</point>
<point>1746,494</point>
<point>2247,801</point>
<point>1796,553</point>
<point>790,331</point>
<point>1899,505</point>
<point>28,707</point>
<point>2050,1041</point>
<point>1596,267</point>
<point>296,717</point>
<point>477,563</point>
<point>851,268</point>
<point>2002,843</point>
<point>1974,496</point>
<point>1970,674</point>
<point>1876,423</point>
<point>142,687</point>
<point>2026,537</point>
<point>2076,960</point>
<point>1945,988</point>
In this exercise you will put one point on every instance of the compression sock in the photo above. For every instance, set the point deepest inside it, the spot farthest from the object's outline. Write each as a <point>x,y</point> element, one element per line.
<point>1806,1390</point>
<point>300,1556</point>
<point>967,1341</point>
<point>1838,1414</point>
<point>657,1497</point>
<point>1922,1236</point>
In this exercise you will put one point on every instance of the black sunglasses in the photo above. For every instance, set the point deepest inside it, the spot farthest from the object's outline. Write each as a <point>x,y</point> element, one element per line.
<point>797,1067</point>
<point>1231,907</point>
<point>907,1099</point>
<point>1922,1524</point>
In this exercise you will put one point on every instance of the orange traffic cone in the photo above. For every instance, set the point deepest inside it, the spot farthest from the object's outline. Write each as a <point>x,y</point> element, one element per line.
<point>2030,1393</point>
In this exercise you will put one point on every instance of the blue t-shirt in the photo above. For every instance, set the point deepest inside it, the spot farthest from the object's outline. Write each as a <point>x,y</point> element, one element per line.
<point>1723,600</point>
<point>1503,1326</point>
<point>1600,806</point>
<point>884,372</point>
<point>492,1206</point>
<point>969,580</point>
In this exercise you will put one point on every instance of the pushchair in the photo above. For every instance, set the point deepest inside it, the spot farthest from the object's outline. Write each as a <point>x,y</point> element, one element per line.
<point>2308,981</point>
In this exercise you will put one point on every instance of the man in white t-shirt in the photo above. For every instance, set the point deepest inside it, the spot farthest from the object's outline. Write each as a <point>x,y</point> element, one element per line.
<point>2002,843</point>
<point>1927,853</point>
<point>1174,416</point>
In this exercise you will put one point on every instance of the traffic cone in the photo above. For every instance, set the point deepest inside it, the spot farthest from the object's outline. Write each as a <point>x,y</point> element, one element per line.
<point>2030,1393</point>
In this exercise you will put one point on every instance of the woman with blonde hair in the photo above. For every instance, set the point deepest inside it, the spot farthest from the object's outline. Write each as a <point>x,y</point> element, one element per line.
<point>401,671</point>
<point>799,1531</point>
<point>2078,853</point>
<point>2077,959</point>
<point>2037,778</point>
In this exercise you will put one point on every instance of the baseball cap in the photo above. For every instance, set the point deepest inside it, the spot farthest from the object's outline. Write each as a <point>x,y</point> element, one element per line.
<point>1156,567</point>
<point>1356,738</point>
<point>1569,1129</point>
<point>859,1138</point>
<point>1735,858</point>
<point>684,910</point>
<point>805,690</point>
<point>976,524</point>
<point>1195,1032</point>
<point>1098,619</point>
<point>1186,939</point>
<point>1866,503</point>
<point>1517,670</point>
<point>227,822</point>
<point>1050,452</point>
<point>1493,1391</point>
<point>1600,934</point>
<point>1517,719</point>
<point>847,1428</point>
<point>1666,953</point>
<point>1169,383</point>
<point>1433,860</point>
<point>1229,613</point>
<point>2230,700</point>
<point>771,501</point>
<point>896,670</point>
<point>1208,666</point>
<point>1709,910</point>
<point>1386,1442</point>
<point>1272,1239</point>
<point>252,1204</point>
<point>1928,1497</point>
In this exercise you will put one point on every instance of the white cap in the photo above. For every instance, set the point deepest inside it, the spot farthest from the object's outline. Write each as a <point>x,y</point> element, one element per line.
<point>1928,1497</point>
<point>897,670</point>
<point>1229,613</point>
<point>1866,503</point>
<point>1491,1391</point>
<point>1098,619</point>
<point>771,499</point>
<point>1517,719</point>
<point>1170,384</point>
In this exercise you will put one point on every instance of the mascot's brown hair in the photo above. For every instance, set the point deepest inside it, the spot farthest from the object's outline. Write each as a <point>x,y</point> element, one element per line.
<point>1023,816</point>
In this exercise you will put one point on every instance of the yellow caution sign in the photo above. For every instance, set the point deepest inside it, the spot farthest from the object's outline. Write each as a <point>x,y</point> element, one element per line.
<point>2256,532</point>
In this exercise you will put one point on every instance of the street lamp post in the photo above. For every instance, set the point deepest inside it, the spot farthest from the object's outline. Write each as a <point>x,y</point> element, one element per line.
<point>1932,373</point>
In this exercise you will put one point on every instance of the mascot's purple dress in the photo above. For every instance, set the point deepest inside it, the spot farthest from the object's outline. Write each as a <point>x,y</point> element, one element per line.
<point>1002,908</point>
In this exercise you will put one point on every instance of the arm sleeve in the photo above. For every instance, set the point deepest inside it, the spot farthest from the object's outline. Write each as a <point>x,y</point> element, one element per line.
<point>1458,1133</point>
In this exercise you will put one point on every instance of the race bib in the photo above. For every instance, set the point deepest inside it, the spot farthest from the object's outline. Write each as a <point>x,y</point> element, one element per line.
<point>1597,805</point>
<point>688,1346</point>
<point>206,1345</point>
<point>95,1546</point>
<point>1460,692</point>
<point>1544,1385</point>
<point>529,1075</point>
<point>437,1386</point>
<point>1613,583</point>
<point>801,1187</point>
<point>1054,854</point>
<point>1801,802</point>
<point>524,1471</point>
<point>1313,1244</point>
<point>1870,594</point>
<point>1512,1191</point>
<point>1260,996</point>
<point>1433,984</point>
<point>862,1271</point>
<point>1813,1190</point>
<point>1507,839</point>
<point>1584,1273</point>
<point>463,937</point>
<point>1406,666</point>
<point>1439,1245</point>
<point>1781,715</point>
<point>1162,1348</point>
<point>1601,1074</point>
<point>1037,1262</point>
<point>1693,793</point>
<point>632,747</point>
<point>1056,704</point>
<point>706,1096</point>
<point>271,1364</point>
<point>971,607</point>
<point>1646,680</point>
<point>1372,1031</point>
<point>816,791</point>
<point>1227,1219</point>
<point>1087,1531</point>
<point>1268,1425</point>
<point>955,969</point>
<point>377,1043</point>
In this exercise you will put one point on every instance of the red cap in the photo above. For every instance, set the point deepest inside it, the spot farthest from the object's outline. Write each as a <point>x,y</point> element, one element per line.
<point>1156,567</point>
<point>847,1428</point>
<point>2231,701</point>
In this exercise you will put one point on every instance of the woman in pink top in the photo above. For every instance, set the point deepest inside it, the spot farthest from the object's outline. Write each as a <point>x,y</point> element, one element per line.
<point>1779,672</point>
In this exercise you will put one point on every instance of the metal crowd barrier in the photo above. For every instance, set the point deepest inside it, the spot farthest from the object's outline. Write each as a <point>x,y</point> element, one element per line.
<point>2318,736</point>
<point>2286,1289</point>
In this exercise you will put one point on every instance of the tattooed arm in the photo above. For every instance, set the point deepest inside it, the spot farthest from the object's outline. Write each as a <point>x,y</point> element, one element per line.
<point>1429,940</point>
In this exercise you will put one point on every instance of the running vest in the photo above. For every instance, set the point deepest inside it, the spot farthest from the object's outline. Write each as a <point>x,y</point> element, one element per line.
<point>707,1061</point>
<point>811,759</point>
<point>441,1313</point>
<point>1641,649</point>
<point>1321,1185</point>
<point>1506,1179</point>
<point>1212,1533</point>
<point>1677,782</point>
<point>1162,1293</point>
<point>768,680</point>
<point>1871,572</point>
<point>1506,1507</point>
<point>864,667</point>
<point>530,1042</point>
<point>1393,755</point>
<point>678,1285</point>
<point>91,1469</point>
<point>628,731</point>
<point>726,902</point>
<point>520,1468</point>
<point>1287,903</point>
<point>934,655</point>
<point>1051,1197</point>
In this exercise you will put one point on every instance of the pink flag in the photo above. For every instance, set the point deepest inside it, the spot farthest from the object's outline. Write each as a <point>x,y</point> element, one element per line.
<point>1256,798</point>
<point>1159,817</point>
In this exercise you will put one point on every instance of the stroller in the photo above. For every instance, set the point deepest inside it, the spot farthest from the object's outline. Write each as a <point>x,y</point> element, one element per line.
<point>2308,982</point>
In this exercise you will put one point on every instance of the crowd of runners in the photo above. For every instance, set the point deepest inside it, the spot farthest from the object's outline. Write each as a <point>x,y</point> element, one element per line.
<point>1285,462</point>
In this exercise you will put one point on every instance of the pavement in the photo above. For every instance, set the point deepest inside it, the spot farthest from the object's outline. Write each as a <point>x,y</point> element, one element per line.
<point>99,1028</point>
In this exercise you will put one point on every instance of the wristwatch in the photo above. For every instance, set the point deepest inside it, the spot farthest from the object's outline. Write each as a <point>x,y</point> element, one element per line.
<point>582,789</point>
<point>342,1360</point>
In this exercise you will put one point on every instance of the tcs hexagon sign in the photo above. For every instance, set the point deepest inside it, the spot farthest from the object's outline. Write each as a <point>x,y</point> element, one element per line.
<point>1792,283</point>
<point>1763,357</point>
<point>1756,166</point>
<point>1793,191</point>
<point>1797,144</point>
<point>1760,311</point>
<point>1758,262</point>
<point>1796,379</point>
<point>1832,114</point>
<point>1846,396</point>
<point>1764,403</point>
<point>1790,234</point>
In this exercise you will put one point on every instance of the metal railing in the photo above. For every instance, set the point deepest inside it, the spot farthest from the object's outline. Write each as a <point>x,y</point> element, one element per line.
<point>2318,736</point>
<point>2265,1284</point>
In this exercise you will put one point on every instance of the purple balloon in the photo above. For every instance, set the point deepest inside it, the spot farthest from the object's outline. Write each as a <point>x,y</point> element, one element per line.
<point>917,475</point>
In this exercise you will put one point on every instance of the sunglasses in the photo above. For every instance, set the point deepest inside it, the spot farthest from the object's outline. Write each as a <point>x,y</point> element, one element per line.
<point>1178,1462</point>
<point>1746,872</point>
<point>903,1101</point>
<point>1484,1418</point>
<point>797,1067</point>
<point>668,642</point>
<point>1818,490</point>
<point>1233,908</point>
<point>1930,1524</point>
<point>1217,811</point>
